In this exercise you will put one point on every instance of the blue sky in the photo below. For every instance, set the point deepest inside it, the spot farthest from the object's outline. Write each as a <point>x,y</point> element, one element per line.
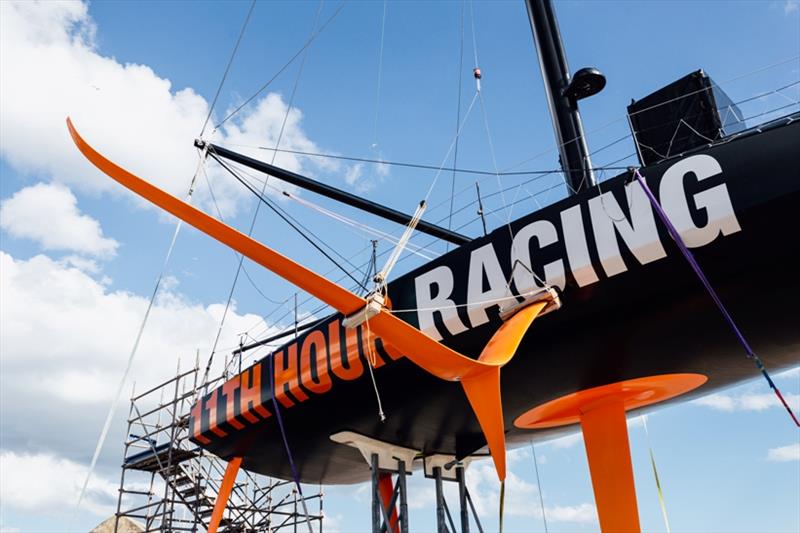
<point>80,256</point>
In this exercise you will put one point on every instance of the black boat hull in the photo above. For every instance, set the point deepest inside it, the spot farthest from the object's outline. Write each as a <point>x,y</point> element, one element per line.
<point>634,313</point>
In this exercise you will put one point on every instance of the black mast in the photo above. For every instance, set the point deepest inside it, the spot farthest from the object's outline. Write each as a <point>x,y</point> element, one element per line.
<point>563,94</point>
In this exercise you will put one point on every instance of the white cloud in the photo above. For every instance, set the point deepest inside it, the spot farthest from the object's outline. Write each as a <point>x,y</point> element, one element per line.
<point>49,215</point>
<point>84,264</point>
<point>49,63</point>
<point>521,497</point>
<point>354,173</point>
<point>65,340</point>
<point>48,484</point>
<point>485,491</point>
<point>747,402</point>
<point>784,454</point>
<point>332,523</point>
<point>363,181</point>
<point>568,441</point>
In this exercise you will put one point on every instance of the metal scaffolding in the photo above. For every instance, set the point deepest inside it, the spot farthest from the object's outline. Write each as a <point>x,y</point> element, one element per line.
<point>170,484</point>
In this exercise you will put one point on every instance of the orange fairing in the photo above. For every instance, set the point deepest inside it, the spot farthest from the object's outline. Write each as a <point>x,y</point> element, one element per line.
<point>224,493</point>
<point>480,378</point>
<point>324,289</point>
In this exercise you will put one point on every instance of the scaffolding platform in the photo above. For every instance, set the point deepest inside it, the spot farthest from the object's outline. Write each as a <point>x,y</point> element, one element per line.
<point>149,460</point>
<point>169,484</point>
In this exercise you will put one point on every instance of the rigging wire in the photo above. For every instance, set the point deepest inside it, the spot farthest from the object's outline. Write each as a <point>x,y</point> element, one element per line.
<point>452,144</point>
<point>458,119</point>
<point>286,65</point>
<point>401,163</point>
<point>372,358</point>
<point>539,486</point>
<point>350,222</point>
<point>625,117</point>
<point>289,220</point>
<point>244,269</point>
<point>134,349</point>
<point>329,213</point>
<point>380,75</point>
<point>540,174</point>
<point>258,204</point>
<point>426,247</point>
<point>228,67</point>
<point>274,206</point>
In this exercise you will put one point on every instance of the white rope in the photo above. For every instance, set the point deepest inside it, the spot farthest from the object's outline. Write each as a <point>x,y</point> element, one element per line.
<point>452,144</point>
<point>371,362</point>
<point>470,304</point>
<point>383,275</point>
<point>358,225</point>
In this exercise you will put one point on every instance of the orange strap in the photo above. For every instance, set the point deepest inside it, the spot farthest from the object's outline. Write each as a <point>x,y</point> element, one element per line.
<point>480,378</point>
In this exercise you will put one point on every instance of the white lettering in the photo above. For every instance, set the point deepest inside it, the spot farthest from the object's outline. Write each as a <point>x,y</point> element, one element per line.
<point>545,234</point>
<point>639,233</point>
<point>577,250</point>
<point>484,260</point>
<point>428,303</point>
<point>715,201</point>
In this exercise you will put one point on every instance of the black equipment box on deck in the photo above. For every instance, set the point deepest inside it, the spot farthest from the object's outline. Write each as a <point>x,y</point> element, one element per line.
<point>683,115</point>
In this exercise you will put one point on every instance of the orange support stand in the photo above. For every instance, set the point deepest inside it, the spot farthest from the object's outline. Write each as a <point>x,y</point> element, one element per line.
<point>605,435</point>
<point>224,493</point>
<point>387,490</point>
<point>601,414</point>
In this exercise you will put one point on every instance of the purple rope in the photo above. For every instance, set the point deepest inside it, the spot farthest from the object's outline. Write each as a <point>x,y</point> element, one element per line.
<point>280,425</point>
<point>696,267</point>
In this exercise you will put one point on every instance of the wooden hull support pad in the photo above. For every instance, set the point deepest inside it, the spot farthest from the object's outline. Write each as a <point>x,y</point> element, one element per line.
<point>601,414</point>
<point>224,493</point>
<point>384,459</point>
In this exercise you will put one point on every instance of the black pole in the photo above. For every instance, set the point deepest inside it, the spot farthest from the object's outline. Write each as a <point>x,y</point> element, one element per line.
<point>441,525</point>
<point>574,154</point>
<point>376,498</point>
<point>462,499</point>
<point>401,482</point>
<point>333,193</point>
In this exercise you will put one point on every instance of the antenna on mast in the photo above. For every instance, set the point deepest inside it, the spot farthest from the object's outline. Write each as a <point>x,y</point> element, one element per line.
<point>563,94</point>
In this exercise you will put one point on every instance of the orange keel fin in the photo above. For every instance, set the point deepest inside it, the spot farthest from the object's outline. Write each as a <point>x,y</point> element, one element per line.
<point>483,389</point>
<point>224,493</point>
<point>422,350</point>
<point>483,393</point>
